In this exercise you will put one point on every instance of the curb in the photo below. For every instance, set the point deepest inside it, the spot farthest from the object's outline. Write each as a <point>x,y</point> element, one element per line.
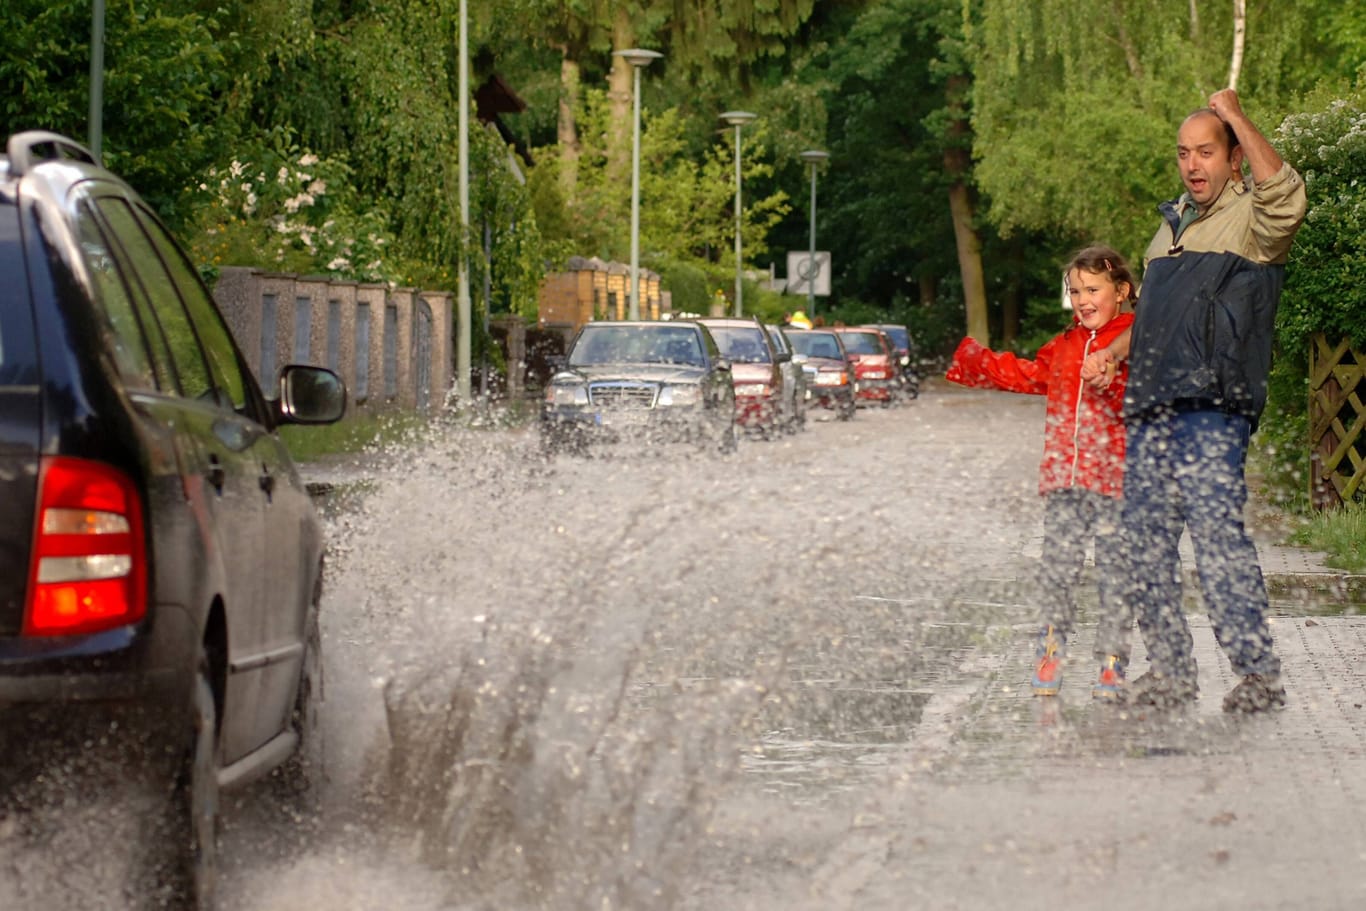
<point>1337,588</point>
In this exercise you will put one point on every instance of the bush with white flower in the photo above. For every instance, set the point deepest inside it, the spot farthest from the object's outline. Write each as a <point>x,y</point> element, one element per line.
<point>290,211</point>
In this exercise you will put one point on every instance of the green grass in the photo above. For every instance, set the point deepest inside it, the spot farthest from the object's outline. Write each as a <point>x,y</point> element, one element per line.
<point>1340,533</point>
<point>308,444</point>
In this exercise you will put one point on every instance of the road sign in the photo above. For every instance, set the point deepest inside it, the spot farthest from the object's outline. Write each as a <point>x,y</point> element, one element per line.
<point>803,272</point>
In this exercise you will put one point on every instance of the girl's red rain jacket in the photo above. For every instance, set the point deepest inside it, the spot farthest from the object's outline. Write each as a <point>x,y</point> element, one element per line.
<point>1083,429</point>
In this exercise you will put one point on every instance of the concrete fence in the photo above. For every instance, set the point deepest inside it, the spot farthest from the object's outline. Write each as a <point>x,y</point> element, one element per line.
<point>392,346</point>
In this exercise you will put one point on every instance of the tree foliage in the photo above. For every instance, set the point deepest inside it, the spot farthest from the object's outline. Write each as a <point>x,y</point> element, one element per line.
<point>1327,269</point>
<point>164,76</point>
<point>1075,126</point>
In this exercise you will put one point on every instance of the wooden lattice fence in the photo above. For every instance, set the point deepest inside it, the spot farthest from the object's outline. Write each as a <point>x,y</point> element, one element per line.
<point>1337,422</point>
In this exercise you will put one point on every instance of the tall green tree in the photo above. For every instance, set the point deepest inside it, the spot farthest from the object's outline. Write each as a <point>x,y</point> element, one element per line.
<point>1074,126</point>
<point>164,81</point>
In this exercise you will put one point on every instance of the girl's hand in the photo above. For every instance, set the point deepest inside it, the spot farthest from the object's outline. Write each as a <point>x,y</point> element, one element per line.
<point>1099,368</point>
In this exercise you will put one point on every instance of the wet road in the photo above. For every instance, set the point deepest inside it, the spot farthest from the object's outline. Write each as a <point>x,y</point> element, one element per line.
<point>791,678</point>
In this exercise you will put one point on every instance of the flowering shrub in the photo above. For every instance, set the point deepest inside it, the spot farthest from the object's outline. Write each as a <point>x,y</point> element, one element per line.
<point>1327,265</point>
<point>290,212</point>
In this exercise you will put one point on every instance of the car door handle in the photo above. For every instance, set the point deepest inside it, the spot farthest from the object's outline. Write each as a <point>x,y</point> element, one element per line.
<point>216,475</point>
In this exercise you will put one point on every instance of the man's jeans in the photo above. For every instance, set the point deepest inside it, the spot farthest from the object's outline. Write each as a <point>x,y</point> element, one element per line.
<point>1185,468</point>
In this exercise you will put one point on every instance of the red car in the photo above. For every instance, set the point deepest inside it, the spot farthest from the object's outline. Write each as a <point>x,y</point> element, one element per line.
<point>754,369</point>
<point>875,365</point>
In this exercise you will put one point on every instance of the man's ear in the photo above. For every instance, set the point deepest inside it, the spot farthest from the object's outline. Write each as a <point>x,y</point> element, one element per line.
<point>1235,158</point>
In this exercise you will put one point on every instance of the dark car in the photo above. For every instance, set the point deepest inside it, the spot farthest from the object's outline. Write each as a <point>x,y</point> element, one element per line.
<point>160,559</point>
<point>652,380</point>
<point>761,391</point>
<point>903,353</point>
<point>793,404</point>
<point>832,385</point>
<point>871,352</point>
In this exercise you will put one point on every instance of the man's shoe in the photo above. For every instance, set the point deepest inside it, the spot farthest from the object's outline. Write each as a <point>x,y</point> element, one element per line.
<point>1255,693</point>
<point>1110,686</point>
<point>1160,691</point>
<point>1048,663</point>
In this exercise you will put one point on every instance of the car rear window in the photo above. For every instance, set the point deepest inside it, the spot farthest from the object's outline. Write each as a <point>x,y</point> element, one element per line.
<point>18,358</point>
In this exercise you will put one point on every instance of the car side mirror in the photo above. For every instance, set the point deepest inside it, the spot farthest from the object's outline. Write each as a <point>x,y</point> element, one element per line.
<point>310,395</point>
<point>782,357</point>
<point>799,358</point>
<point>722,364</point>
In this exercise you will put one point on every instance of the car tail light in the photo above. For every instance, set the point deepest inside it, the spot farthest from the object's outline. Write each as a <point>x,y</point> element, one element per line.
<point>89,565</point>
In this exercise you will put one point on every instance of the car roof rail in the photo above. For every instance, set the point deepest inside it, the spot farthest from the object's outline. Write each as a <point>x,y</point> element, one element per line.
<point>34,146</point>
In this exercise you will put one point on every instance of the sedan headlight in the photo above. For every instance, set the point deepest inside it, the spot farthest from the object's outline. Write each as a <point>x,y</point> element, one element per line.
<point>576,394</point>
<point>831,378</point>
<point>680,395</point>
<point>905,360</point>
<point>751,389</point>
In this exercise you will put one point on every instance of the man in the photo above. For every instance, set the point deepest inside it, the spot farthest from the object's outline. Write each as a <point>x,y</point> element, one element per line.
<point>1200,352</point>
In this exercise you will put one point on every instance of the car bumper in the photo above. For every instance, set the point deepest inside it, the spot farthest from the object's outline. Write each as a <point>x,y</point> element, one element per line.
<point>833,397</point>
<point>127,664</point>
<point>755,411</point>
<point>676,422</point>
<point>876,390</point>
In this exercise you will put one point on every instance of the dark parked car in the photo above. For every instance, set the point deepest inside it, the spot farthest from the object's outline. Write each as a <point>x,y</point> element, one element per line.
<point>833,385</point>
<point>160,560</point>
<point>761,391</point>
<point>793,404</point>
<point>644,379</point>
<point>903,352</point>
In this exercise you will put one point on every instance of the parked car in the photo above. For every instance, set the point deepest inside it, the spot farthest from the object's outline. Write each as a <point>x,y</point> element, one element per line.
<point>903,354</point>
<point>160,560</point>
<point>833,385</point>
<point>874,367</point>
<point>649,379</point>
<point>793,403</point>
<point>760,385</point>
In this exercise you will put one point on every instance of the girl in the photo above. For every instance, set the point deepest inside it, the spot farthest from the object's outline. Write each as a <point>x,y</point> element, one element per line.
<point>1081,474</point>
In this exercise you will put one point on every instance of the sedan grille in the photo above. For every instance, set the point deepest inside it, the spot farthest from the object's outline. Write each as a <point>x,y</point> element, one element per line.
<point>623,395</point>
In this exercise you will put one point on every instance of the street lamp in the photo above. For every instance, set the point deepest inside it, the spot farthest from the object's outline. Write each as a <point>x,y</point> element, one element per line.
<point>812,157</point>
<point>639,59</point>
<point>738,119</point>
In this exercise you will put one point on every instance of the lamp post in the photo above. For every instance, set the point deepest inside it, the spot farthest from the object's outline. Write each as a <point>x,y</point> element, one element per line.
<point>812,157</point>
<point>639,59</point>
<point>462,288</point>
<point>738,119</point>
<point>96,127</point>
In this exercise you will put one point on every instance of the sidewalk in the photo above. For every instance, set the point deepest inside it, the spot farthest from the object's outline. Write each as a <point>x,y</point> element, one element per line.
<point>1007,800</point>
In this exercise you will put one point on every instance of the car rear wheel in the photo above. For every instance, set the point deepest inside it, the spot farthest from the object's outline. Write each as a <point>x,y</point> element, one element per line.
<point>195,802</point>
<point>305,770</point>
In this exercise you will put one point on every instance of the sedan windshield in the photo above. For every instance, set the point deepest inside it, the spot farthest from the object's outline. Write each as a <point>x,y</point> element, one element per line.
<point>899,336</point>
<point>662,344</point>
<point>816,344</point>
<point>863,343</point>
<point>742,345</point>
